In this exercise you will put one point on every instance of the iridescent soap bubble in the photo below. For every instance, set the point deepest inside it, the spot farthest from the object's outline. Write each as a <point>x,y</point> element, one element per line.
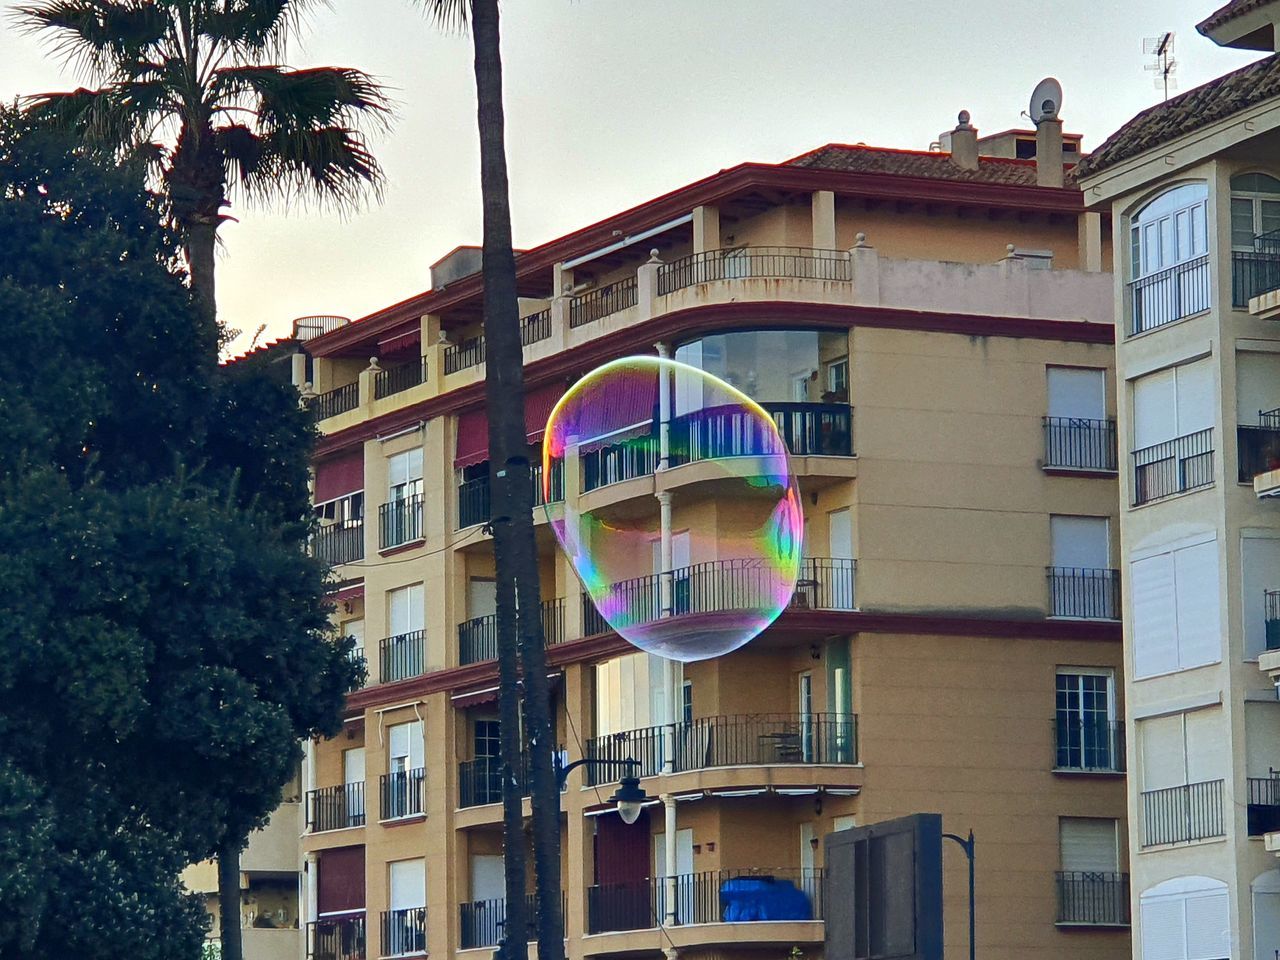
<point>736,521</point>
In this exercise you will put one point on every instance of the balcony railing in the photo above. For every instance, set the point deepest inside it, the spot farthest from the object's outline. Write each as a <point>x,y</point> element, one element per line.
<point>336,808</point>
<point>1192,811</point>
<point>1272,619</point>
<point>399,378</point>
<point>478,637</point>
<point>1086,745</point>
<point>722,896</point>
<point>1089,898</point>
<point>806,429</point>
<point>1263,811</point>
<point>480,781</point>
<point>473,495</point>
<point>399,522</point>
<point>753,740</point>
<point>1171,294</point>
<point>1173,467</point>
<point>825,583</point>
<point>402,656</point>
<point>337,543</point>
<point>402,793</point>
<point>601,303</point>
<point>471,352</point>
<point>1084,593</point>
<point>804,263</point>
<point>1072,443</point>
<point>336,938</point>
<point>615,462</point>
<point>337,401</point>
<point>404,932</point>
<point>1258,447</point>
<point>1257,271</point>
<point>483,922</point>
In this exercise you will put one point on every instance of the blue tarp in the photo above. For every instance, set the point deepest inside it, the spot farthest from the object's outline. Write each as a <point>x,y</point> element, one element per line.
<point>763,898</point>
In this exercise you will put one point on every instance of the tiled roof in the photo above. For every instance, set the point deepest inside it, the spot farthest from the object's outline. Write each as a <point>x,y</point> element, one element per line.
<point>916,163</point>
<point>1227,13</point>
<point>1186,112</point>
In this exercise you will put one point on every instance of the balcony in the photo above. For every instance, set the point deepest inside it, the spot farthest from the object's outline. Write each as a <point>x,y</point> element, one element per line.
<point>334,402</point>
<point>1272,619</point>
<point>1083,593</point>
<point>722,896</point>
<point>336,938</point>
<point>1258,446</point>
<point>1175,466</point>
<point>1072,443</point>
<point>402,656</point>
<point>1093,899</point>
<point>399,378</point>
<point>825,583</point>
<point>753,740</point>
<point>1263,812</point>
<point>1257,271</point>
<point>335,808</point>
<point>803,263</point>
<point>404,932</point>
<point>1179,291</point>
<point>478,637</point>
<point>400,522</point>
<point>402,793</point>
<point>471,352</point>
<point>473,495</point>
<point>616,462</point>
<point>1088,745</point>
<point>807,429</point>
<point>337,543</point>
<point>1180,814</point>
<point>597,304</point>
<point>482,923</point>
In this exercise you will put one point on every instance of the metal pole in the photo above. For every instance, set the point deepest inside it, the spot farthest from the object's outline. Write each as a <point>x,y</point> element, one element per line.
<point>967,845</point>
<point>666,589</point>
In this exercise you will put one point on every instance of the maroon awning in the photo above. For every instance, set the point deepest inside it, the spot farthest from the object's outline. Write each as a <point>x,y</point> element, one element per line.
<point>340,880</point>
<point>473,424</point>
<point>401,342</point>
<point>338,476</point>
<point>612,409</point>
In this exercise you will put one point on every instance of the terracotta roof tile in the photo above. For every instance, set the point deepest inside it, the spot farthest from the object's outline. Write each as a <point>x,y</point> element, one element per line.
<point>1227,13</point>
<point>1186,112</point>
<point>916,163</point>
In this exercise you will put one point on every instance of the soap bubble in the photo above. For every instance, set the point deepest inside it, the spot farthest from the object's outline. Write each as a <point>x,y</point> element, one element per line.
<point>736,520</point>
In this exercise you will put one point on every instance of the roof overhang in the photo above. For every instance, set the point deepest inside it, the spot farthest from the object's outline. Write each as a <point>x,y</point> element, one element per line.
<point>1251,29</point>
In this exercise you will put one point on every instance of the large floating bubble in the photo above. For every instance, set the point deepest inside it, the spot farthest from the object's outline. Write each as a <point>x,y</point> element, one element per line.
<point>735,506</point>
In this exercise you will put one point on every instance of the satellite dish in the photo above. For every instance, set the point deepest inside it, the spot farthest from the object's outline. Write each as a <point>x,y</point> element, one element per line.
<point>1046,100</point>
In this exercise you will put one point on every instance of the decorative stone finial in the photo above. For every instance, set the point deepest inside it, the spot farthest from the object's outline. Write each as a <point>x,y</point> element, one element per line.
<point>860,240</point>
<point>653,256</point>
<point>963,121</point>
<point>373,363</point>
<point>1009,249</point>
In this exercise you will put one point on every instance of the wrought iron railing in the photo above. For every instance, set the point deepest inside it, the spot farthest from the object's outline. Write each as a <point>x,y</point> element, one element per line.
<point>400,522</point>
<point>1176,292</point>
<point>535,327</point>
<point>404,932</point>
<point>751,740</point>
<point>399,378</point>
<point>1084,593</point>
<point>334,402</point>
<point>1192,811</point>
<point>825,583</point>
<point>478,637</point>
<point>1072,443</point>
<point>720,896</point>
<point>402,656</point>
<point>808,429</point>
<point>337,543</point>
<point>1093,898</point>
<point>480,781</point>
<point>1174,466</point>
<point>601,303</point>
<point>1088,746</point>
<point>1262,815</point>
<point>616,462</point>
<point>483,923</point>
<point>474,501</point>
<point>472,352</point>
<point>1257,271</point>
<point>1271,619</point>
<point>305,328</point>
<point>804,263</point>
<point>336,808</point>
<point>1258,447</point>
<point>336,938</point>
<point>402,793</point>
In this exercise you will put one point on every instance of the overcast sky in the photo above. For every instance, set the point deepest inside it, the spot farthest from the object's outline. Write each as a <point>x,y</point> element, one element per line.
<point>609,104</point>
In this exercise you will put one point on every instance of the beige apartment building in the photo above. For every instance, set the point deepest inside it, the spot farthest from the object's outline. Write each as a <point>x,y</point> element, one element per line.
<point>1192,187</point>
<point>933,333</point>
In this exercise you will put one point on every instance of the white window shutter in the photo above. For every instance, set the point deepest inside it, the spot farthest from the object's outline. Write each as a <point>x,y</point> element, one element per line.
<point>1155,646</point>
<point>1208,926</point>
<point>1155,416</point>
<point>416,744</point>
<point>1196,586</point>
<point>1088,844</point>
<point>1206,733</point>
<point>1260,559</point>
<point>1075,392</point>
<point>1080,542</point>
<point>1197,397</point>
<point>1163,752</point>
<point>408,884</point>
<point>1163,929</point>
<point>398,740</point>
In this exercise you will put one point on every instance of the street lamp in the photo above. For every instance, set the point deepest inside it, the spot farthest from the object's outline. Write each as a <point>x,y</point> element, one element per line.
<point>628,798</point>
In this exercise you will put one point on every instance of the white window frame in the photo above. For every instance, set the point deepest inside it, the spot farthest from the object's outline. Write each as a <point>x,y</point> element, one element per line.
<point>404,475</point>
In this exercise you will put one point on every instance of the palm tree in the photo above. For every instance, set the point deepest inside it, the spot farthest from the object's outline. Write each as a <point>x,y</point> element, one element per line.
<point>519,624</point>
<point>196,86</point>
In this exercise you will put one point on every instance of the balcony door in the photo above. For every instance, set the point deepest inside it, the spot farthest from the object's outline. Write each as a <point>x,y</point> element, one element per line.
<point>482,598</point>
<point>406,929</point>
<point>681,599</point>
<point>1081,579</point>
<point>1078,435</point>
<point>353,781</point>
<point>1173,403</point>
<point>486,746</point>
<point>1086,719</point>
<point>684,872</point>
<point>404,766</point>
<point>839,591</point>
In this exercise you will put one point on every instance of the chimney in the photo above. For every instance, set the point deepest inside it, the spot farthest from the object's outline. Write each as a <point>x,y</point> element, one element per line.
<point>964,143</point>
<point>1049,152</point>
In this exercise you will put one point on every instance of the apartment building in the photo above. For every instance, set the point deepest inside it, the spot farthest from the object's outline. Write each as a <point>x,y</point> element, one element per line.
<point>933,333</point>
<point>1192,187</point>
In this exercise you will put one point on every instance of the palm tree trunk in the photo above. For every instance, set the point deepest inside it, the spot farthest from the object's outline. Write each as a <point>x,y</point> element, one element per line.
<point>519,620</point>
<point>229,900</point>
<point>199,242</point>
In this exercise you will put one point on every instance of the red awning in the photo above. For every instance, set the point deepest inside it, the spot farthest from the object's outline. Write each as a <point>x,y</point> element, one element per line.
<point>401,342</point>
<point>613,410</point>
<point>473,424</point>
<point>340,880</point>
<point>340,475</point>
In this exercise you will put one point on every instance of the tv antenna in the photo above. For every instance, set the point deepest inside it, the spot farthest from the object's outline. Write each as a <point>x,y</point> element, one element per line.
<point>1160,49</point>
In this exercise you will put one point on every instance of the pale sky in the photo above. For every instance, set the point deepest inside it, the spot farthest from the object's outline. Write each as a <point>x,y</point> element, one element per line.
<point>609,104</point>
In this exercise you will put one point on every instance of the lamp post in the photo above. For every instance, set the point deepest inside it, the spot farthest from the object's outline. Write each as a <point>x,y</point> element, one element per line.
<point>966,844</point>
<point>628,798</point>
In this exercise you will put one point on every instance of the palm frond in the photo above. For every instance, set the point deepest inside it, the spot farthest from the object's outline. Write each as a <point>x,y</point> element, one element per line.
<point>255,27</point>
<point>449,14</point>
<point>117,118</point>
<point>284,99</point>
<point>330,165</point>
<point>103,36</point>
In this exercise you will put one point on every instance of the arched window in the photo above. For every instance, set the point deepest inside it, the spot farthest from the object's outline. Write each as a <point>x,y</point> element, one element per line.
<point>1186,918</point>
<point>1168,257</point>
<point>1255,208</point>
<point>1266,915</point>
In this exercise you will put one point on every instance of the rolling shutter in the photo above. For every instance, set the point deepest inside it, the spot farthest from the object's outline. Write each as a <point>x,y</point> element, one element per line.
<point>1197,397</point>
<point>1196,587</point>
<point>1155,648</point>
<point>1208,925</point>
<point>340,880</point>
<point>1088,844</point>
<point>1155,418</point>
<point>1078,393</point>
<point>1186,918</point>
<point>1163,752</point>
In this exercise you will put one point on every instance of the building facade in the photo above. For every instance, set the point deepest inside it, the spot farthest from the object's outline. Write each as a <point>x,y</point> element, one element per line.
<point>1192,187</point>
<point>932,331</point>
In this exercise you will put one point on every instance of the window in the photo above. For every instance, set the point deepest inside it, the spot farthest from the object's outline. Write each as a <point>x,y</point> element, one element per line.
<point>1081,581</point>
<point>404,928</point>
<point>837,382</point>
<point>1175,608</point>
<point>1174,412</point>
<point>1078,435</point>
<point>404,475</point>
<point>1186,918</point>
<point>686,702</point>
<point>1260,563</point>
<point>402,785</point>
<point>1088,844</point>
<point>1168,247</point>
<point>405,609</point>
<point>1266,915</point>
<point>1181,749</point>
<point>766,365</point>
<point>403,652</point>
<point>347,511</point>
<point>1088,735</point>
<point>1255,208</point>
